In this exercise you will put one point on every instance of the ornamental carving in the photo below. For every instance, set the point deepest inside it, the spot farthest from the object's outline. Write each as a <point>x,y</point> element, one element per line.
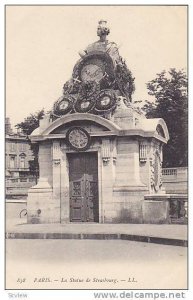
<point>98,79</point>
<point>156,168</point>
<point>86,96</point>
<point>56,162</point>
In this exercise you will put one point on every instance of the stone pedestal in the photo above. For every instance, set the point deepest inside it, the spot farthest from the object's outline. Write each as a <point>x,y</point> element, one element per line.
<point>40,204</point>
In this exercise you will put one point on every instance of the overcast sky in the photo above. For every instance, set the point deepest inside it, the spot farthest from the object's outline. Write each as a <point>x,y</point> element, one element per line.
<point>43,44</point>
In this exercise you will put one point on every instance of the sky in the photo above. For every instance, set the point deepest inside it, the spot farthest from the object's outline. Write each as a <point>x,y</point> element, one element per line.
<point>42,45</point>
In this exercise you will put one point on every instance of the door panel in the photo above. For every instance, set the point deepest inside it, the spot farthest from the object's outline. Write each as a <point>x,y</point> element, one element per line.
<point>83,176</point>
<point>76,200</point>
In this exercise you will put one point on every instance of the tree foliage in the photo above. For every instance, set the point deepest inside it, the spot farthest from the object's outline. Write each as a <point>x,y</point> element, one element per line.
<point>31,122</point>
<point>171,104</point>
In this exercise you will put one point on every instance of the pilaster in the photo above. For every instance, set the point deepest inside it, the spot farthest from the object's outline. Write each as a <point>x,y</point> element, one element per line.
<point>108,175</point>
<point>65,200</point>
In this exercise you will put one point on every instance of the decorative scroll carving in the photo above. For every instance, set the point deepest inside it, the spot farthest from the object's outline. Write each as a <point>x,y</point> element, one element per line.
<point>106,151</point>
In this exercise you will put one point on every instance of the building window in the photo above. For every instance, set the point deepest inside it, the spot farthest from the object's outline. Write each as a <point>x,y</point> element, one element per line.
<point>22,147</point>
<point>12,162</point>
<point>12,147</point>
<point>23,179</point>
<point>22,162</point>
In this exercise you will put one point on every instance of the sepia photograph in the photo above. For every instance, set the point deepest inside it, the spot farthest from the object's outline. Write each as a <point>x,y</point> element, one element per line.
<point>96,147</point>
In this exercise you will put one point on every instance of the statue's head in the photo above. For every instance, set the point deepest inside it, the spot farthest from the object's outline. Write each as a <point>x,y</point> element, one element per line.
<point>102,29</point>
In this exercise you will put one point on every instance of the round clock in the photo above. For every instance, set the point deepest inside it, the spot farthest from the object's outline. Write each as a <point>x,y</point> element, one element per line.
<point>95,67</point>
<point>78,138</point>
<point>92,72</point>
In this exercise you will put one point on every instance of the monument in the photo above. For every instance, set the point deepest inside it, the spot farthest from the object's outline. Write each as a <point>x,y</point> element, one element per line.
<point>100,159</point>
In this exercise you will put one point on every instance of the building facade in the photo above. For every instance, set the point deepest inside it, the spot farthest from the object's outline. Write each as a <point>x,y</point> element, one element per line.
<point>18,154</point>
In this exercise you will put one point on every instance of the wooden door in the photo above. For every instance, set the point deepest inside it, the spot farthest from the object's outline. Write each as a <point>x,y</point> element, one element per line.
<point>83,177</point>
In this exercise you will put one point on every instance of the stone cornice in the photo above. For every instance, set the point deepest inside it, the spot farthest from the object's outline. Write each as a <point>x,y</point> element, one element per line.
<point>120,133</point>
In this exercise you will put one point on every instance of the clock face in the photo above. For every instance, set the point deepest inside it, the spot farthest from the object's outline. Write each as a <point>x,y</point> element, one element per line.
<point>78,138</point>
<point>91,72</point>
<point>96,67</point>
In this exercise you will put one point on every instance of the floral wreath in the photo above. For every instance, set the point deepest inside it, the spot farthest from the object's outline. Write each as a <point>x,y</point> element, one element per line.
<point>109,106</point>
<point>87,94</point>
<point>57,111</point>
<point>78,105</point>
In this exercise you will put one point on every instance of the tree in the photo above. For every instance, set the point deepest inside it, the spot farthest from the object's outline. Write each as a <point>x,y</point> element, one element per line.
<point>171,104</point>
<point>29,124</point>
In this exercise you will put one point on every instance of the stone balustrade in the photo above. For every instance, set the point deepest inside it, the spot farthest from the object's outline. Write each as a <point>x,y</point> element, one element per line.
<point>175,180</point>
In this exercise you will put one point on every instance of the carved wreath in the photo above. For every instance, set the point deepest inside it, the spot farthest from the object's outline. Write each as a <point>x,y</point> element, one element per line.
<point>63,105</point>
<point>109,95</point>
<point>86,97</point>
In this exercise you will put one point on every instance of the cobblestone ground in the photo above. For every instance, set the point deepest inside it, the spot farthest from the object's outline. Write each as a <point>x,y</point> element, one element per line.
<point>91,264</point>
